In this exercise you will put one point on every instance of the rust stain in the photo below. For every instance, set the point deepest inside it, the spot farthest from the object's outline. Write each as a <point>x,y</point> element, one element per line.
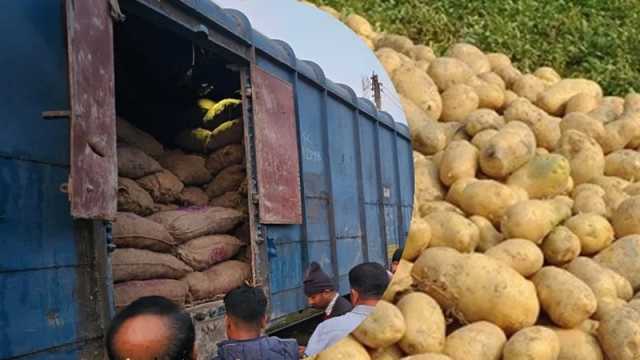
<point>93,174</point>
<point>277,157</point>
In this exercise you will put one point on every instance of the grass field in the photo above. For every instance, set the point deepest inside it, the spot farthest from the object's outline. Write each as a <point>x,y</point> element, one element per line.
<point>595,39</point>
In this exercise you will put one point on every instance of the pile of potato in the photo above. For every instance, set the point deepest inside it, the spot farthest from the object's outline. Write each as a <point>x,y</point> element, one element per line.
<point>525,241</point>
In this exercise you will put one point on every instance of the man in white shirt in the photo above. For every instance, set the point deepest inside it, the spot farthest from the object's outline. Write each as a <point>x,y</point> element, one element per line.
<point>368,282</point>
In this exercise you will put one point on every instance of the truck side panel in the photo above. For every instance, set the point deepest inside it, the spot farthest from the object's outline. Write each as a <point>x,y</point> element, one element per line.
<point>50,306</point>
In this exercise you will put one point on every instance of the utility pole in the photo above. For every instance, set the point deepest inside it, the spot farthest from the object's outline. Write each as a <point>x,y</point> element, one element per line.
<point>375,87</point>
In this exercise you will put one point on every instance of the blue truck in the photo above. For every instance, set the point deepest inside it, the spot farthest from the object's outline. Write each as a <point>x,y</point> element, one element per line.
<point>330,176</point>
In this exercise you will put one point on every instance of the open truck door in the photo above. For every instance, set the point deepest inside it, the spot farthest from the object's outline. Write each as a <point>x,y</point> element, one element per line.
<point>93,173</point>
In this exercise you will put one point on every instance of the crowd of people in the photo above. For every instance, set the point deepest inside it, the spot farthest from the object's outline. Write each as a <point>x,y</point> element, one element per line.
<point>155,328</point>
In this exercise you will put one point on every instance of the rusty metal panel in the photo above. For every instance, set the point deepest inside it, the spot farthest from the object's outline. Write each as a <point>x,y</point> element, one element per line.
<point>277,157</point>
<point>93,174</point>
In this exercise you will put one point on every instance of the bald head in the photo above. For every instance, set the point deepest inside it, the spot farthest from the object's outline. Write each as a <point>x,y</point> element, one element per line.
<point>151,328</point>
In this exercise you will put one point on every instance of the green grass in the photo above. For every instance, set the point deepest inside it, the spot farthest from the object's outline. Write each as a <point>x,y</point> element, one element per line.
<point>595,39</point>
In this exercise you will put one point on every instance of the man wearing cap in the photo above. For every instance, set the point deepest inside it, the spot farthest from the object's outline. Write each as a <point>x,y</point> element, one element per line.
<point>321,293</point>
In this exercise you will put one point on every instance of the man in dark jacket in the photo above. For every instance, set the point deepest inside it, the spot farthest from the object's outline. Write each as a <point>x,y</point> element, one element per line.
<point>245,319</point>
<point>321,293</point>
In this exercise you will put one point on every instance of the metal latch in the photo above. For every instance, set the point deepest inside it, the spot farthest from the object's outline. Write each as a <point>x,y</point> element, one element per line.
<point>56,114</point>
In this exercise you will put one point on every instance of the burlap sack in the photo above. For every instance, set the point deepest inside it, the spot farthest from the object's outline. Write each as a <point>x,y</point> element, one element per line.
<point>137,264</point>
<point>194,140</point>
<point>133,136</point>
<point>231,200</point>
<point>227,180</point>
<point>218,280</point>
<point>243,233</point>
<point>217,113</point>
<point>164,207</point>
<point>223,158</point>
<point>127,292</point>
<point>190,223</point>
<point>133,198</point>
<point>193,196</point>
<point>228,133</point>
<point>134,163</point>
<point>163,186</point>
<point>244,187</point>
<point>189,169</point>
<point>203,252</point>
<point>133,231</point>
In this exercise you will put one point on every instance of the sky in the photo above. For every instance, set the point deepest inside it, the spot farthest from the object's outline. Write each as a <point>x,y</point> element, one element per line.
<point>318,37</point>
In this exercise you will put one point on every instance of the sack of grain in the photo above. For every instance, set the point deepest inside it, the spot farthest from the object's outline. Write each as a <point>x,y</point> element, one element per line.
<point>131,135</point>
<point>189,169</point>
<point>190,223</point>
<point>218,280</point>
<point>243,233</point>
<point>163,186</point>
<point>228,179</point>
<point>203,252</point>
<point>133,231</point>
<point>193,196</point>
<point>127,292</point>
<point>134,163</point>
<point>231,200</point>
<point>193,139</point>
<point>164,207</point>
<point>223,158</point>
<point>137,264</point>
<point>244,187</point>
<point>230,132</point>
<point>133,198</point>
<point>218,112</point>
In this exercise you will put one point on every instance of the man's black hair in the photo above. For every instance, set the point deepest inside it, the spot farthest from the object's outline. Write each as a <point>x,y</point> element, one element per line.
<point>181,328</point>
<point>369,279</point>
<point>247,304</point>
<point>397,255</point>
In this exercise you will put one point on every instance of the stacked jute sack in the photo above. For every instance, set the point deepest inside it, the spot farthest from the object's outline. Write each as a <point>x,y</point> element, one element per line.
<point>181,229</point>
<point>525,241</point>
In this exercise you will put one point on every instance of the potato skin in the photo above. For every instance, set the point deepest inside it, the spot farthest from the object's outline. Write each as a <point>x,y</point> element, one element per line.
<point>400,283</point>
<point>453,230</point>
<point>488,198</point>
<point>521,255</point>
<point>425,323</point>
<point>594,275</point>
<point>418,239</point>
<point>543,176</point>
<point>447,72</point>
<point>594,231</point>
<point>536,342</point>
<point>561,246</point>
<point>346,349</point>
<point>489,236</point>
<point>384,327</point>
<point>455,282</point>
<point>566,299</point>
<point>418,87</point>
<point>578,344</point>
<point>623,164</point>
<point>511,148</point>
<point>534,219</point>
<point>619,334</point>
<point>623,257</point>
<point>458,101</point>
<point>586,158</point>
<point>389,353</point>
<point>459,161</point>
<point>554,99</point>
<point>478,341</point>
